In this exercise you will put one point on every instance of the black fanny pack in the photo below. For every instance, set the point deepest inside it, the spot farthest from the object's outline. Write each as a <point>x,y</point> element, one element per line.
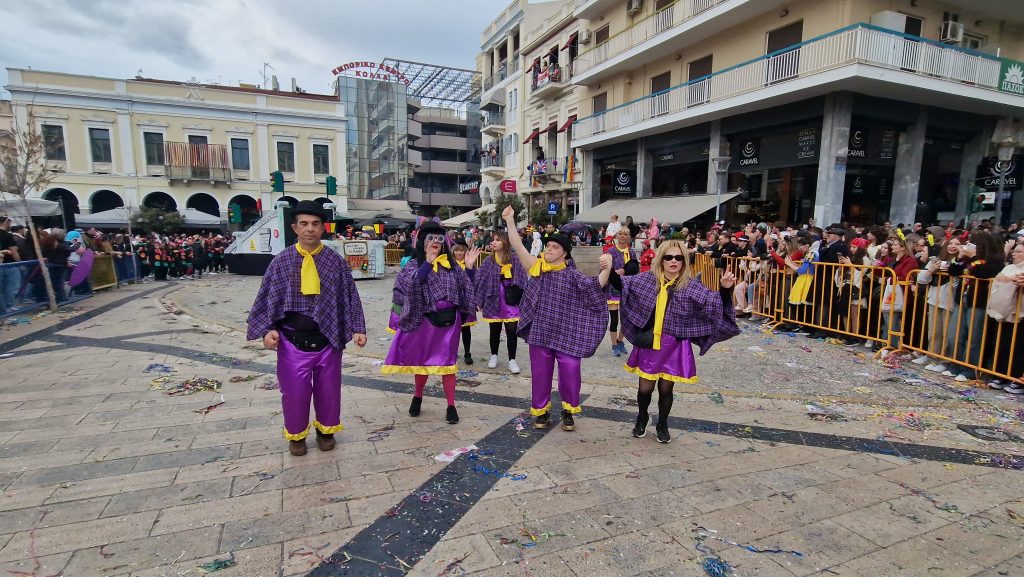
<point>307,341</point>
<point>513,295</point>
<point>444,318</point>
<point>631,268</point>
<point>644,339</point>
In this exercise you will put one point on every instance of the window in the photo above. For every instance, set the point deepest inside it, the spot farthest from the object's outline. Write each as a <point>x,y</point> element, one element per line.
<point>53,142</point>
<point>601,35</point>
<point>99,142</point>
<point>660,5</point>
<point>973,41</point>
<point>197,139</point>
<point>154,145</point>
<point>321,159</point>
<point>601,102</point>
<point>240,153</point>
<point>286,156</point>
<point>700,68</point>
<point>914,26</point>
<point>661,82</point>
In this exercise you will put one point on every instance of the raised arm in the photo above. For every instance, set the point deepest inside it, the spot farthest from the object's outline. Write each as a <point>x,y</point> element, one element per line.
<point>525,258</point>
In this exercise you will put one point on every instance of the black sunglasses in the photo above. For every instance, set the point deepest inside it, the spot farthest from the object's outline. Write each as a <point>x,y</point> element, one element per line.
<point>675,257</point>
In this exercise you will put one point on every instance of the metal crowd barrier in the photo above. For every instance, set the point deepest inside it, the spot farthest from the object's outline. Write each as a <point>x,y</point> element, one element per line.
<point>704,265</point>
<point>393,257</point>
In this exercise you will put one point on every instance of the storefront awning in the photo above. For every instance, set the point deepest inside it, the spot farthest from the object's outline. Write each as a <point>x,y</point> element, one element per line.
<point>568,123</point>
<point>572,40</point>
<point>469,218</point>
<point>552,126</point>
<point>672,209</point>
<point>533,136</point>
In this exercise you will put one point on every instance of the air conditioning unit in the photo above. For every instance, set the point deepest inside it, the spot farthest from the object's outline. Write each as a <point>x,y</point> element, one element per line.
<point>585,37</point>
<point>634,7</point>
<point>952,32</point>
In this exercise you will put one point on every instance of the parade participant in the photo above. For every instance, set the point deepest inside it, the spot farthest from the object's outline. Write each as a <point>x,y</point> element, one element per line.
<point>463,254</point>
<point>562,318</point>
<point>499,288</point>
<point>624,263</point>
<point>665,312</point>
<point>308,309</point>
<point>437,295</point>
<point>161,261</point>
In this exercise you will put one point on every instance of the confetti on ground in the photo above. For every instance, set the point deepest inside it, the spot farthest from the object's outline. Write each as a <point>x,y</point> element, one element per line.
<point>499,474</point>
<point>187,387</point>
<point>269,386</point>
<point>821,414</point>
<point>158,368</point>
<point>455,564</point>
<point>449,456</point>
<point>942,506</point>
<point>218,564</point>
<point>703,533</point>
<point>862,390</point>
<point>205,410</point>
<point>243,379</point>
<point>716,397</point>
<point>467,374</point>
<point>1015,516</point>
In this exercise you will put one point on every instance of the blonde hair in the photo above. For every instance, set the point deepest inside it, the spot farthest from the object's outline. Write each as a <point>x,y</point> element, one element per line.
<point>658,268</point>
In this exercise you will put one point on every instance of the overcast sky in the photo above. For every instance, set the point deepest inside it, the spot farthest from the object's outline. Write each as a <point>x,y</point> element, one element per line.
<point>228,41</point>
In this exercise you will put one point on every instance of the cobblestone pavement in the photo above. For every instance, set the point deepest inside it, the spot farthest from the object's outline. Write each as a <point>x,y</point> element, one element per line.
<point>102,473</point>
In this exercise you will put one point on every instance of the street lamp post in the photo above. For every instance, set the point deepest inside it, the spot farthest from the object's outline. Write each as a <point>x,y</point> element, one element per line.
<point>1006,150</point>
<point>721,167</point>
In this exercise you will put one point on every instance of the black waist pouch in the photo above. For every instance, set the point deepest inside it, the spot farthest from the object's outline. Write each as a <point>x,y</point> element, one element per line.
<point>513,295</point>
<point>444,318</point>
<point>631,268</point>
<point>307,341</point>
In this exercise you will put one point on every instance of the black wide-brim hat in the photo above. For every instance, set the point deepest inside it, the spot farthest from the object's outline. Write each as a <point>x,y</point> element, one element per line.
<point>311,208</point>
<point>562,240</point>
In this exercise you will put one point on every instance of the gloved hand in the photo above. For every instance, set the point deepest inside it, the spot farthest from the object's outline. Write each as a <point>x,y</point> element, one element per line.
<point>423,272</point>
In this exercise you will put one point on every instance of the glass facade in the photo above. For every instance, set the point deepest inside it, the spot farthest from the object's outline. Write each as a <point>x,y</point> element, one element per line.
<point>377,137</point>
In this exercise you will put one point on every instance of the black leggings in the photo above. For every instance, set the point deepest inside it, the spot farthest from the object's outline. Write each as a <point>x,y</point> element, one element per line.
<point>646,391</point>
<point>613,321</point>
<point>510,337</point>
<point>467,336</point>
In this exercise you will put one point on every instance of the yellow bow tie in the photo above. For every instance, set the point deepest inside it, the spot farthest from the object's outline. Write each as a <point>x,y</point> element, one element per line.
<point>442,260</point>
<point>543,266</point>
<point>461,263</point>
<point>506,269</point>
<point>309,277</point>
<point>659,312</point>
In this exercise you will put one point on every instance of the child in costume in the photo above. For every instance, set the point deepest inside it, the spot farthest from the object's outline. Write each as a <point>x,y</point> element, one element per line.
<point>664,313</point>
<point>562,318</point>
<point>436,296</point>
<point>624,263</point>
<point>499,289</point>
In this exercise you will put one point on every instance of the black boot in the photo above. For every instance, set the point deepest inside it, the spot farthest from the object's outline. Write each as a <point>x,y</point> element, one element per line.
<point>541,421</point>
<point>414,408</point>
<point>640,430</point>
<point>451,416</point>
<point>568,424</point>
<point>663,435</point>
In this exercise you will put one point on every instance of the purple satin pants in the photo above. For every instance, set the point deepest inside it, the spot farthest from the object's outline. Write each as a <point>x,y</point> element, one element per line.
<point>304,376</point>
<point>542,368</point>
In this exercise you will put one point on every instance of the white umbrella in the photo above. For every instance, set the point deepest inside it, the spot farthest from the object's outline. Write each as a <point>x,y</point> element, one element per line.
<point>15,207</point>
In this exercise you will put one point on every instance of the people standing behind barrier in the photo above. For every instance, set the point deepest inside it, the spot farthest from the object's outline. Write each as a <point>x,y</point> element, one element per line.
<point>746,269</point>
<point>1006,329</point>
<point>942,289</point>
<point>915,331</point>
<point>828,313</point>
<point>903,262</point>
<point>499,286</point>
<point>57,253</point>
<point>850,286</point>
<point>980,260</point>
<point>801,262</point>
<point>876,236</point>
<point>10,275</point>
<point>624,263</point>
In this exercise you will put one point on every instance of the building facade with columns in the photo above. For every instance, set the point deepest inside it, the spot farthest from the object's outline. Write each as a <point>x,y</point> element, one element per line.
<point>175,145</point>
<point>865,111</point>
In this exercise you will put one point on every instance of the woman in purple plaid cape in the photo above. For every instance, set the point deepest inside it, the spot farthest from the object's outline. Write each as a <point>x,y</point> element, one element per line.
<point>624,263</point>
<point>461,251</point>
<point>664,313</point>
<point>499,288</point>
<point>436,295</point>
<point>563,316</point>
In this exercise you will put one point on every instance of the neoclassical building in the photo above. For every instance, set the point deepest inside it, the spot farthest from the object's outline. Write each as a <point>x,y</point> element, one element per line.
<point>177,145</point>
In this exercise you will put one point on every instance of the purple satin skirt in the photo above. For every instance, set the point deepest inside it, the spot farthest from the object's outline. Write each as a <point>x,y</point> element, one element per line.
<point>428,350</point>
<point>673,362</point>
<point>393,323</point>
<point>506,312</point>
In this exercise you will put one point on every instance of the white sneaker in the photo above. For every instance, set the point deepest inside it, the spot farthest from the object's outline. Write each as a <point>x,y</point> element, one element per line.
<point>749,309</point>
<point>936,368</point>
<point>962,378</point>
<point>493,363</point>
<point>948,373</point>
<point>513,367</point>
<point>867,344</point>
<point>920,360</point>
<point>883,353</point>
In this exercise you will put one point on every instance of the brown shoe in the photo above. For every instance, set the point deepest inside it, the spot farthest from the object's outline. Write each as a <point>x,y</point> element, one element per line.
<point>325,442</point>
<point>297,448</point>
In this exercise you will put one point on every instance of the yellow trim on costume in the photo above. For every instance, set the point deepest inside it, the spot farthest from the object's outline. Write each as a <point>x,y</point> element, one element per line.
<point>651,377</point>
<point>443,261</point>
<point>418,370</point>
<point>508,320</point>
<point>472,324</point>
<point>572,410</point>
<point>324,430</point>
<point>506,269</point>
<point>539,412</point>
<point>461,263</point>
<point>309,283</point>
<point>542,265</point>
<point>296,436</point>
<point>659,312</point>
<point>625,254</point>
<point>391,330</point>
<point>611,302</point>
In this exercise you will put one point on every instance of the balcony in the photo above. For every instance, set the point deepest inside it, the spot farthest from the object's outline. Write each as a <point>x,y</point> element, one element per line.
<point>424,197</point>
<point>550,82</point>
<point>441,142</point>
<point>493,123</point>
<point>505,71</point>
<point>415,128</point>
<point>591,9</point>
<point>414,157</point>
<point>861,58</point>
<point>185,161</point>
<point>383,150</point>
<point>682,24</point>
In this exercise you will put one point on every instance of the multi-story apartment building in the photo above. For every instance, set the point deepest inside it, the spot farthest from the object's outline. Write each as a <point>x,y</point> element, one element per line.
<point>445,156</point>
<point>176,145</point>
<point>863,110</point>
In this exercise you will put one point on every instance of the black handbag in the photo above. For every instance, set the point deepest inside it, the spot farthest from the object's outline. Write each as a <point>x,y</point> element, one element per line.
<point>445,318</point>
<point>644,339</point>
<point>307,341</point>
<point>513,295</point>
<point>631,268</point>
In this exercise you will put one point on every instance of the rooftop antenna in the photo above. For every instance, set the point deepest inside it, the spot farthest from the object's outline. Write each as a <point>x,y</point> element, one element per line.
<point>138,74</point>
<point>263,74</point>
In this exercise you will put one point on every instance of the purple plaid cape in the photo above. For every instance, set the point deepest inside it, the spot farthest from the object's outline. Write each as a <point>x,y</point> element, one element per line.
<point>402,281</point>
<point>446,285</point>
<point>487,281</point>
<point>565,311</point>
<point>617,261</point>
<point>694,312</point>
<point>337,309</point>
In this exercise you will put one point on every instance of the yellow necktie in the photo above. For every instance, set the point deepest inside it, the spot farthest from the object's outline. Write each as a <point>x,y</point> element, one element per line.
<point>310,278</point>
<point>442,260</point>
<point>461,263</point>
<point>625,254</point>
<point>543,266</point>
<point>506,269</point>
<point>659,312</point>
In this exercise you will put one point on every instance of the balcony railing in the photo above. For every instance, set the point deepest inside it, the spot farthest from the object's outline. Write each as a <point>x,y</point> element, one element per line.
<point>186,161</point>
<point>857,44</point>
<point>658,23</point>
<point>487,161</point>
<point>492,119</point>
<point>548,76</point>
<point>505,69</point>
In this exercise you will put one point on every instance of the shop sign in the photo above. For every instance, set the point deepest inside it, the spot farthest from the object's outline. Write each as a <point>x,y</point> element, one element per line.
<point>750,152</point>
<point>508,186</point>
<point>1011,77</point>
<point>888,151</point>
<point>470,187</point>
<point>858,143</point>
<point>625,182</point>
<point>807,144</point>
<point>992,170</point>
<point>372,71</point>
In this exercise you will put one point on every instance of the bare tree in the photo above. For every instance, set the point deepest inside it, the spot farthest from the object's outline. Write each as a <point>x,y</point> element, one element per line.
<point>23,170</point>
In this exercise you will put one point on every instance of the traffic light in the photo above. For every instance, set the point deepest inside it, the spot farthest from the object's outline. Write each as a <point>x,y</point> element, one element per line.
<point>277,181</point>
<point>332,186</point>
<point>234,213</point>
